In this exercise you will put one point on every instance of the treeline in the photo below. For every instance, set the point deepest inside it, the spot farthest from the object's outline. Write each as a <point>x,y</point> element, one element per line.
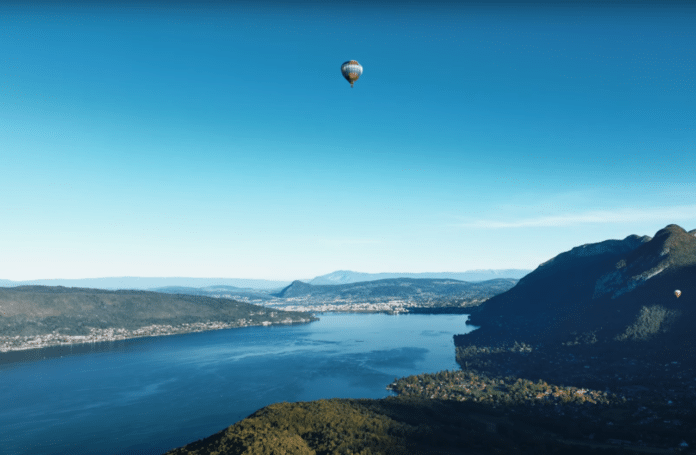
<point>439,292</point>
<point>497,391</point>
<point>39,310</point>
<point>399,426</point>
<point>440,309</point>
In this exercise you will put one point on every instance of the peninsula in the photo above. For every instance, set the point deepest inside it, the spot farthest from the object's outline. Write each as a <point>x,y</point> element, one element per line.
<point>42,316</point>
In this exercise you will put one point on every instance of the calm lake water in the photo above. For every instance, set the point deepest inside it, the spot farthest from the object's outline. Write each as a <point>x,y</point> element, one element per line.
<point>146,396</point>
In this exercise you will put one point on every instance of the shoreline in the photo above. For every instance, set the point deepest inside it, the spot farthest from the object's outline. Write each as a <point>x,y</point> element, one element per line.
<point>55,339</point>
<point>387,308</point>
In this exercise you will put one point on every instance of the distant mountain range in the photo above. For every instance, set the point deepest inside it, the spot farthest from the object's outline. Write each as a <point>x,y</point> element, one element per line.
<point>225,292</point>
<point>434,292</point>
<point>144,283</point>
<point>347,276</point>
<point>618,294</point>
<point>248,285</point>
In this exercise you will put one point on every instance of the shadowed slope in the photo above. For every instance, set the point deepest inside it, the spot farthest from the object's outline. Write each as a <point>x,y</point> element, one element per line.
<point>397,426</point>
<point>604,288</point>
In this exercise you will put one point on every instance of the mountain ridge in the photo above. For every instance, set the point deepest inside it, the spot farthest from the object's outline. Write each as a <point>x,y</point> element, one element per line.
<point>413,290</point>
<point>604,289</point>
<point>349,276</point>
<point>39,316</point>
<point>250,284</point>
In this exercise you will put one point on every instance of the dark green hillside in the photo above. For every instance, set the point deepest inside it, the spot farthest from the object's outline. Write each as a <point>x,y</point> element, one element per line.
<point>299,288</point>
<point>602,319</point>
<point>39,310</point>
<point>409,426</point>
<point>612,292</point>
<point>556,291</point>
<point>618,307</point>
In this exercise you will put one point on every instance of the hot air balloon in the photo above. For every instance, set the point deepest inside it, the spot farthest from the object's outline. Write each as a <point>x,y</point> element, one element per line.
<point>677,293</point>
<point>351,70</point>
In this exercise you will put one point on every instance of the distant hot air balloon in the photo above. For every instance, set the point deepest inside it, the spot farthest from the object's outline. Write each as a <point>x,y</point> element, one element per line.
<point>351,70</point>
<point>677,293</point>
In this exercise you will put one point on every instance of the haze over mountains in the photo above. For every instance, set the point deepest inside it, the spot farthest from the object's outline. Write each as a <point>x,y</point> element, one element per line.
<point>34,316</point>
<point>146,283</point>
<point>347,276</point>
<point>225,292</point>
<point>338,277</point>
<point>414,291</point>
<point>391,295</point>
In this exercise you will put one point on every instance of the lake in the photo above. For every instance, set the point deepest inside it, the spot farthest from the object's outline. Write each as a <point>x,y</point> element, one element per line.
<point>149,395</point>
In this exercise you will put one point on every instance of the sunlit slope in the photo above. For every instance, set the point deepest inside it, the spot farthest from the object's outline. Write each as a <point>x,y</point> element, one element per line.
<point>393,426</point>
<point>617,292</point>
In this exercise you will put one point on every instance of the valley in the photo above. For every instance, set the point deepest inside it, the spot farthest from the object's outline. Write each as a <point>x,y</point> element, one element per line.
<point>388,295</point>
<point>606,368</point>
<point>592,352</point>
<point>41,316</point>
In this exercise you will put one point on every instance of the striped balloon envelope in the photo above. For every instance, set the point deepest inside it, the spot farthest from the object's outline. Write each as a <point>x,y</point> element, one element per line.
<point>351,70</point>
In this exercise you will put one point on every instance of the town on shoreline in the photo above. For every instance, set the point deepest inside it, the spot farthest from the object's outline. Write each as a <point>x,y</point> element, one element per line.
<point>97,335</point>
<point>21,343</point>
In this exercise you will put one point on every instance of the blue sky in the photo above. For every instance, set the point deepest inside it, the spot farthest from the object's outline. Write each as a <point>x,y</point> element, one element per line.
<point>220,140</point>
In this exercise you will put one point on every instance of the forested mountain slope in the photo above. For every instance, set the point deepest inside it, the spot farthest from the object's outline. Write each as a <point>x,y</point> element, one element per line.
<point>40,310</point>
<point>617,291</point>
<point>411,290</point>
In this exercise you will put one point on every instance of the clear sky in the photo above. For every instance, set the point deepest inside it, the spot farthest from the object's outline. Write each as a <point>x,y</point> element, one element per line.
<point>222,141</point>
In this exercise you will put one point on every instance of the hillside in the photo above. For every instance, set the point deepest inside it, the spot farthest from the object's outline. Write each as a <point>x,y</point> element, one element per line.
<point>421,292</point>
<point>614,292</point>
<point>417,426</point>
<point>590,353</point>
<point>348,276</point>
<point>225,292</point>
<point>410,426</point>
<point>390,296</point>
<point>600,317</point>
<point>70,314</point>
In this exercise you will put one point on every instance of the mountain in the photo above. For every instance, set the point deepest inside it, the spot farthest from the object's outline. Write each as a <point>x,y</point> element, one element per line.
<point>398,426</point>
<point>339,277</point>
<point>347,276</point>
<point>301,289</point>
<point>30,311</point>
<point>435,291</point>
<point>600,323</point>
<point>617,295</point>
<point>226,292</point>
<point>144,283</point>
